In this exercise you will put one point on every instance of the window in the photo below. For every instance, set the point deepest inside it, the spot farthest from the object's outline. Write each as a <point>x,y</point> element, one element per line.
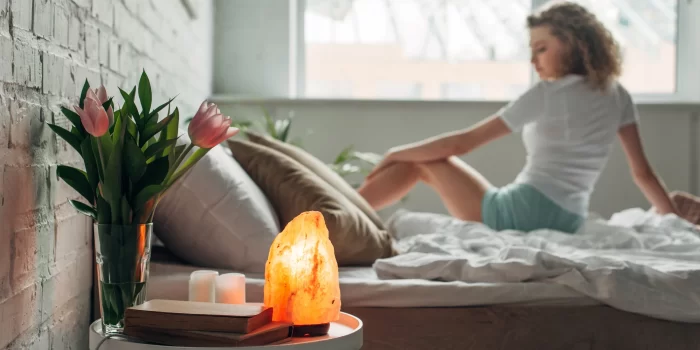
<point>464,49</point>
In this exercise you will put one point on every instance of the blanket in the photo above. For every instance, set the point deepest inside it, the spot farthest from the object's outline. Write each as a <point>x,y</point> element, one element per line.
<point>636,261</point>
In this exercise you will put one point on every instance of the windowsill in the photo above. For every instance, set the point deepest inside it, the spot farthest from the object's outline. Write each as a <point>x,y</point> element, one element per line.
<point>651,101</point>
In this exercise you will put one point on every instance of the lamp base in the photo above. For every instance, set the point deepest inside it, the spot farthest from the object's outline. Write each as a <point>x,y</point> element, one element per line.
<point>312,330</point>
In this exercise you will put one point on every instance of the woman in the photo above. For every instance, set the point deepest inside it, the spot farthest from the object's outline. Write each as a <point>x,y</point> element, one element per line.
<point>569,121</point>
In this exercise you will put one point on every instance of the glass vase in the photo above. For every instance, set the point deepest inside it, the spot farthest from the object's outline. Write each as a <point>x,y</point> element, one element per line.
<point>123,254</point>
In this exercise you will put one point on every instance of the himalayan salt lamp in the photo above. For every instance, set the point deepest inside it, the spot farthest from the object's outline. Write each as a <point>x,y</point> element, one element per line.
<point>301,276</point>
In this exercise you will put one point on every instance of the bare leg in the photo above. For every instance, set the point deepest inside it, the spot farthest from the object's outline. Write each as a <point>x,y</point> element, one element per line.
<point>460,186</point>
<point>390,185</point>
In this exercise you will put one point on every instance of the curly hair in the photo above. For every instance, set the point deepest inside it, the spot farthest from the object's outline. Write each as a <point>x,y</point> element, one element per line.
<point>592,50</point>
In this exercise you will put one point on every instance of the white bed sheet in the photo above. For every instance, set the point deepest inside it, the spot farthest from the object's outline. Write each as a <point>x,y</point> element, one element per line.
<point>637,261</point>
<point>360,287</point>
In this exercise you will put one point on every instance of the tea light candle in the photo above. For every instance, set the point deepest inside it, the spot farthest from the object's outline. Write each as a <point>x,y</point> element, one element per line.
<point>202,286</point>
<point>230,288</point>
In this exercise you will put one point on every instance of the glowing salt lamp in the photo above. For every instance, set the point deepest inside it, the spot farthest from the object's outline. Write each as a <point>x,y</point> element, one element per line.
<point>301,276</point>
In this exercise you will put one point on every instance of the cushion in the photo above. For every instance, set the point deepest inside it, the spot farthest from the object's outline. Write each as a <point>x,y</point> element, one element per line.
<point>322,170</point>
<point>293,189</point>
<point>216,216</point>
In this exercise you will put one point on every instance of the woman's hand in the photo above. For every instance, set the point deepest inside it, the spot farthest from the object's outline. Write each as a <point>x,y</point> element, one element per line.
<point>389,159</point>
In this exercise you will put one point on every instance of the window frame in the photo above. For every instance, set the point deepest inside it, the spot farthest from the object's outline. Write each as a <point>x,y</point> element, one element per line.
<point>687,89</point>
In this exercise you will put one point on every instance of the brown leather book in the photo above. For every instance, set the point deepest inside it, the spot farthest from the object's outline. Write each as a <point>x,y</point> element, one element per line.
<point>271,333</point>
<point>198,316</point>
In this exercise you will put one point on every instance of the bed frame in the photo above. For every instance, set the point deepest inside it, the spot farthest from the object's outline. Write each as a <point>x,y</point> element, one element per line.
<point>520,327</point>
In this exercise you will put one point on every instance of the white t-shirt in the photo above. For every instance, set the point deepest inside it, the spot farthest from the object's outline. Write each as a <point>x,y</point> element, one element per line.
<point>568,129</point>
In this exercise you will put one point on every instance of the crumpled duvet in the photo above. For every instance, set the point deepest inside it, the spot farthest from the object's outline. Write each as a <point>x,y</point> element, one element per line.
<point>636,261</point>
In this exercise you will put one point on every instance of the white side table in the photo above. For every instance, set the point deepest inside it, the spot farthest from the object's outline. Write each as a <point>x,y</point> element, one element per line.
<point>344,334</point>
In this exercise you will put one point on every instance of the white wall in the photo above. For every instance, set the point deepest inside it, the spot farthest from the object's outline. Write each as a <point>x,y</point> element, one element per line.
<point>668,132</point>
<point>251,47</point>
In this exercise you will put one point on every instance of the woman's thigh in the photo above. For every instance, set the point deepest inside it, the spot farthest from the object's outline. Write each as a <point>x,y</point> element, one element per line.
<point>460,186</point>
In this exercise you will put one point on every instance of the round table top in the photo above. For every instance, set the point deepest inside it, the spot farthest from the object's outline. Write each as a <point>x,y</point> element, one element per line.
<point>344,334</point>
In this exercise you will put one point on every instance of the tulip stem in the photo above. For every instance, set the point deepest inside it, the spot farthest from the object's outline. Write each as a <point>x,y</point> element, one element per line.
<point>179,160</point>
<point>102,160</point>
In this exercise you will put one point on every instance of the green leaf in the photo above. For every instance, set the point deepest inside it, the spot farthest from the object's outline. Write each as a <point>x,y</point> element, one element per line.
<point>84,208</point>
<point>344,155</point>
<point>134,160</point>
<point>177,150</point>
<point>145,94</point>
<point>159,108</point>
<point>283,126</point>
<point>98,160</point>
<point>157,147</point>
<point>93,175</point>
<point>77,179</point>
<point>270,126</point>
<point>83,93</point>
<point>74,119</point>
<point>117,118</point>
<point>71,138</point>
<point>131,128</point>
<point>108,104</point>
<point>113,177</point>
<point>145,195</point>
<point>117,126</point>
<point>153,129</point>
<point>156,172</point>
<point>131,107</point>
<point>126,210</point>
<point>149,124</point>
<point>107,145</point>
<point>103,211</point>
<point>171,132</point>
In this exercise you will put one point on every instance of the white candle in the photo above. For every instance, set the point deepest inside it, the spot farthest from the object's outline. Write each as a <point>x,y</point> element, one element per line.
<point>230,288</point>
<point>202,286</point>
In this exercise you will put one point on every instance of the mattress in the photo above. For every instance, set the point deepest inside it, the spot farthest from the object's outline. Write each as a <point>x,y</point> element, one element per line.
<point>360,287</point>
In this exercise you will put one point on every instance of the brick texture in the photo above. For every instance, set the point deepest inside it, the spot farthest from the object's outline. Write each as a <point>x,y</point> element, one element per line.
<point>47,50</point>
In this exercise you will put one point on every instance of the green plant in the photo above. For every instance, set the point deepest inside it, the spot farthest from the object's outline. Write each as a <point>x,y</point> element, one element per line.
<point>130,161</point>
<point>349,162</point>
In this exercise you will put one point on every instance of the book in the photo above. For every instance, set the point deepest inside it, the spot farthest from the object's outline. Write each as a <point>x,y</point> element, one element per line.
<point>271,333</point>
<point>198,316</point>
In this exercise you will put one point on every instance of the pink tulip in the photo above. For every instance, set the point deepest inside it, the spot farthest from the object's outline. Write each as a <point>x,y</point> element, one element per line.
<point>93,117</point>
<point>102,97</point>
<point>209,127</point>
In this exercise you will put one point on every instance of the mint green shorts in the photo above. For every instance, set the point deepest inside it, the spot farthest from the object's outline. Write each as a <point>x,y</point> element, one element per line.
<point>522,207</point>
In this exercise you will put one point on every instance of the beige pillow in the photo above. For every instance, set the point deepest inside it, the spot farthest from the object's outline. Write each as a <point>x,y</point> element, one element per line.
<point>322,170</point>
<point>293,189</point>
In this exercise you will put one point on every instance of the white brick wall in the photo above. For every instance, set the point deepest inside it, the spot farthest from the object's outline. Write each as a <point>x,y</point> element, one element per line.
<point>47,49</point>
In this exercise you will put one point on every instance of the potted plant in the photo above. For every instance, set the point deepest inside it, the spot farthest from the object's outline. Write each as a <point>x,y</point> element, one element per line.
<point>130,160</point>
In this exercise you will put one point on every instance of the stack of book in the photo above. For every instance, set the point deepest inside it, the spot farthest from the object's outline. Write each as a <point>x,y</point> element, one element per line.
<point>193,324</point>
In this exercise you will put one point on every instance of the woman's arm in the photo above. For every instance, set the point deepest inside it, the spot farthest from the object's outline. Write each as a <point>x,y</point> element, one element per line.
<point>447,144</point>
<point>642,172</point>
<point>452,143</point>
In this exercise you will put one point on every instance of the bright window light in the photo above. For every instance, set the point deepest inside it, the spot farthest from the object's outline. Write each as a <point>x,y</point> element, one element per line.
<point>464,49</point>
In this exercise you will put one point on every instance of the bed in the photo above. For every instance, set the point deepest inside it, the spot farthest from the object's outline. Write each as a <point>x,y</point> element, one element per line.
<point>420,314</point>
